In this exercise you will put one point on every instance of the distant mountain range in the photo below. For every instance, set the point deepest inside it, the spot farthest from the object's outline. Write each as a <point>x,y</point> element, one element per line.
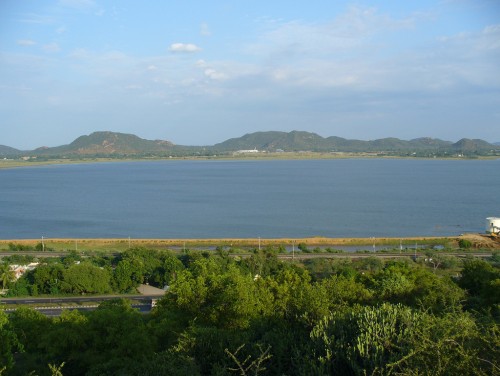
<point>306,141</point>
<point>121,144</point>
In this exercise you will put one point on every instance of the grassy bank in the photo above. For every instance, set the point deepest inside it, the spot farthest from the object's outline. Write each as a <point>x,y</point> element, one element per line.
<point>123,244</point>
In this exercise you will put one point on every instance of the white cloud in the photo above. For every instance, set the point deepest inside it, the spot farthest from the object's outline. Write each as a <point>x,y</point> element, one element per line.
<point>51,47</point>
<point>184,47</point>
<point>214,75</point>
<point>26,42</point>
<point>201,63</point>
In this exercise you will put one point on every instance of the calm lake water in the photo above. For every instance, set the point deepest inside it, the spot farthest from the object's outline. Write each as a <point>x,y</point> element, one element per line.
<point>268,199</point>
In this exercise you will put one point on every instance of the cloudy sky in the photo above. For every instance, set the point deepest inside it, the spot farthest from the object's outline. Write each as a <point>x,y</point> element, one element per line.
<point>200,72</point>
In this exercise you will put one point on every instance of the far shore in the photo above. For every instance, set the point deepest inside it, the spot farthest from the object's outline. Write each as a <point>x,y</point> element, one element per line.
<point>15,163</point>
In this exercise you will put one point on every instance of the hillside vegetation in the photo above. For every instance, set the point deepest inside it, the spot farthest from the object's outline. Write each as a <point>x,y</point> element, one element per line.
<point>113,144</point>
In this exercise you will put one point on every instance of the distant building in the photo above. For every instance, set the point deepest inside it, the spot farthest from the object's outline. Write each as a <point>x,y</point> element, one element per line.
<point>247,151</point>
<point>19,270</point>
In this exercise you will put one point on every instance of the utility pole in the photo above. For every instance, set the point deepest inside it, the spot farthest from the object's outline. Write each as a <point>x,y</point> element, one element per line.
<point>293,250</point>
<point>43,245</point>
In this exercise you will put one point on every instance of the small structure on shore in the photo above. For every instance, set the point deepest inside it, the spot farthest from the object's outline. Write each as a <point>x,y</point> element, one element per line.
<point>247,151</point>
<point>493,225</point>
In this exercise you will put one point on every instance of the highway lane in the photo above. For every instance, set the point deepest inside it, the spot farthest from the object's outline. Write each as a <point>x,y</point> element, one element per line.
<point>53,306</point>
<point>354,255</point>
<point>296,254</point>
<point>57,310</point>
<point>75,299</point>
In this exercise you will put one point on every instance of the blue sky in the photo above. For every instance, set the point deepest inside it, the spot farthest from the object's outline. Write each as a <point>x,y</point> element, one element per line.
<point>200,72</point>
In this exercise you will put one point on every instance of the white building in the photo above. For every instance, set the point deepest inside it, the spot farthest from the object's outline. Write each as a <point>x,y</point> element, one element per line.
<point>493,225</point>
<point>247,151</point>
<point>19,270</point>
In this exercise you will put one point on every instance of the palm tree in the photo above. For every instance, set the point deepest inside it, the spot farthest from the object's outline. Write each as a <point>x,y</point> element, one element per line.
<point>6,275</point>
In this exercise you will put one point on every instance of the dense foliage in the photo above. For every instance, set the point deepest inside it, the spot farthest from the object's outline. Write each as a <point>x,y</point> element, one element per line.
<point>73,274</point>
<point>258,315</point>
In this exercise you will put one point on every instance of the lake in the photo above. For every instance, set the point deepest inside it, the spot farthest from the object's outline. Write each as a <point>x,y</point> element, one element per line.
<point>249,199</point>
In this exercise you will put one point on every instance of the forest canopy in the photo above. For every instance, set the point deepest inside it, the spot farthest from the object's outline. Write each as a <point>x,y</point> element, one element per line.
<point>260,316</point>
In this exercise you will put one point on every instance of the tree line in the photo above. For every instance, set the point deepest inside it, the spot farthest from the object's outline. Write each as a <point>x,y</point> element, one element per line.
<point>261,316</point>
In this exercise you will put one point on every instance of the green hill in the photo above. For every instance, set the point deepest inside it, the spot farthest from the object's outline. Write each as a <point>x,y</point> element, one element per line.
<point>466,145</point>
<point>6,151</point>
<point>272,141</point>
<point>109,143</point>
<point>114,144</point>
<point>307,141</point>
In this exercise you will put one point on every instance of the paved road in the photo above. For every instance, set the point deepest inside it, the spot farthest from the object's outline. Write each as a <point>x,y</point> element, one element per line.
<point>34,254</point>
<point>298,255</point>
<point>302,256</point>
<point>142,302</point>
<point>75,299</point>
<point>56,311</point>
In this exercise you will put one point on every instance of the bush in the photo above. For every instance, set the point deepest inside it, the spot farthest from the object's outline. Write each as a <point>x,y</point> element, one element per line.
<point>464,243</point>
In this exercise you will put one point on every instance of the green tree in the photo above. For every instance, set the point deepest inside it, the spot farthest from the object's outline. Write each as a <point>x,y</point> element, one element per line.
<point>482,281</point>
<point>127,275</point>
<point>167,273</point>
<point>46,276</point>
<point>85,278</point>
<point>227,299</point>
<point>394,339</point>
<point>263,262</point>
<point>31,328</point>
<point>21,287</point>
<point>6,275</point>
<point>67,340</point>
<point>434,293</point>
<point>9,343</point>
<point>365,340</point>
<point>168,362</point>
<point>116,339</point>
<point>344,291</point>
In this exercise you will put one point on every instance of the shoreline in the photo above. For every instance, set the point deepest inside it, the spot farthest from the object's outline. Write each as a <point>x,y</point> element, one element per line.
<point>15,163</point>
<point>476,241</point>
<point>228,242</point>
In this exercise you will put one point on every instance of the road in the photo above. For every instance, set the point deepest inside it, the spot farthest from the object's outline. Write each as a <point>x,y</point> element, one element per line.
<point>75,299</point>
<point>289,255</point>
<point>56,311</point>
<point>354,255</point>
<point>54,306</point>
